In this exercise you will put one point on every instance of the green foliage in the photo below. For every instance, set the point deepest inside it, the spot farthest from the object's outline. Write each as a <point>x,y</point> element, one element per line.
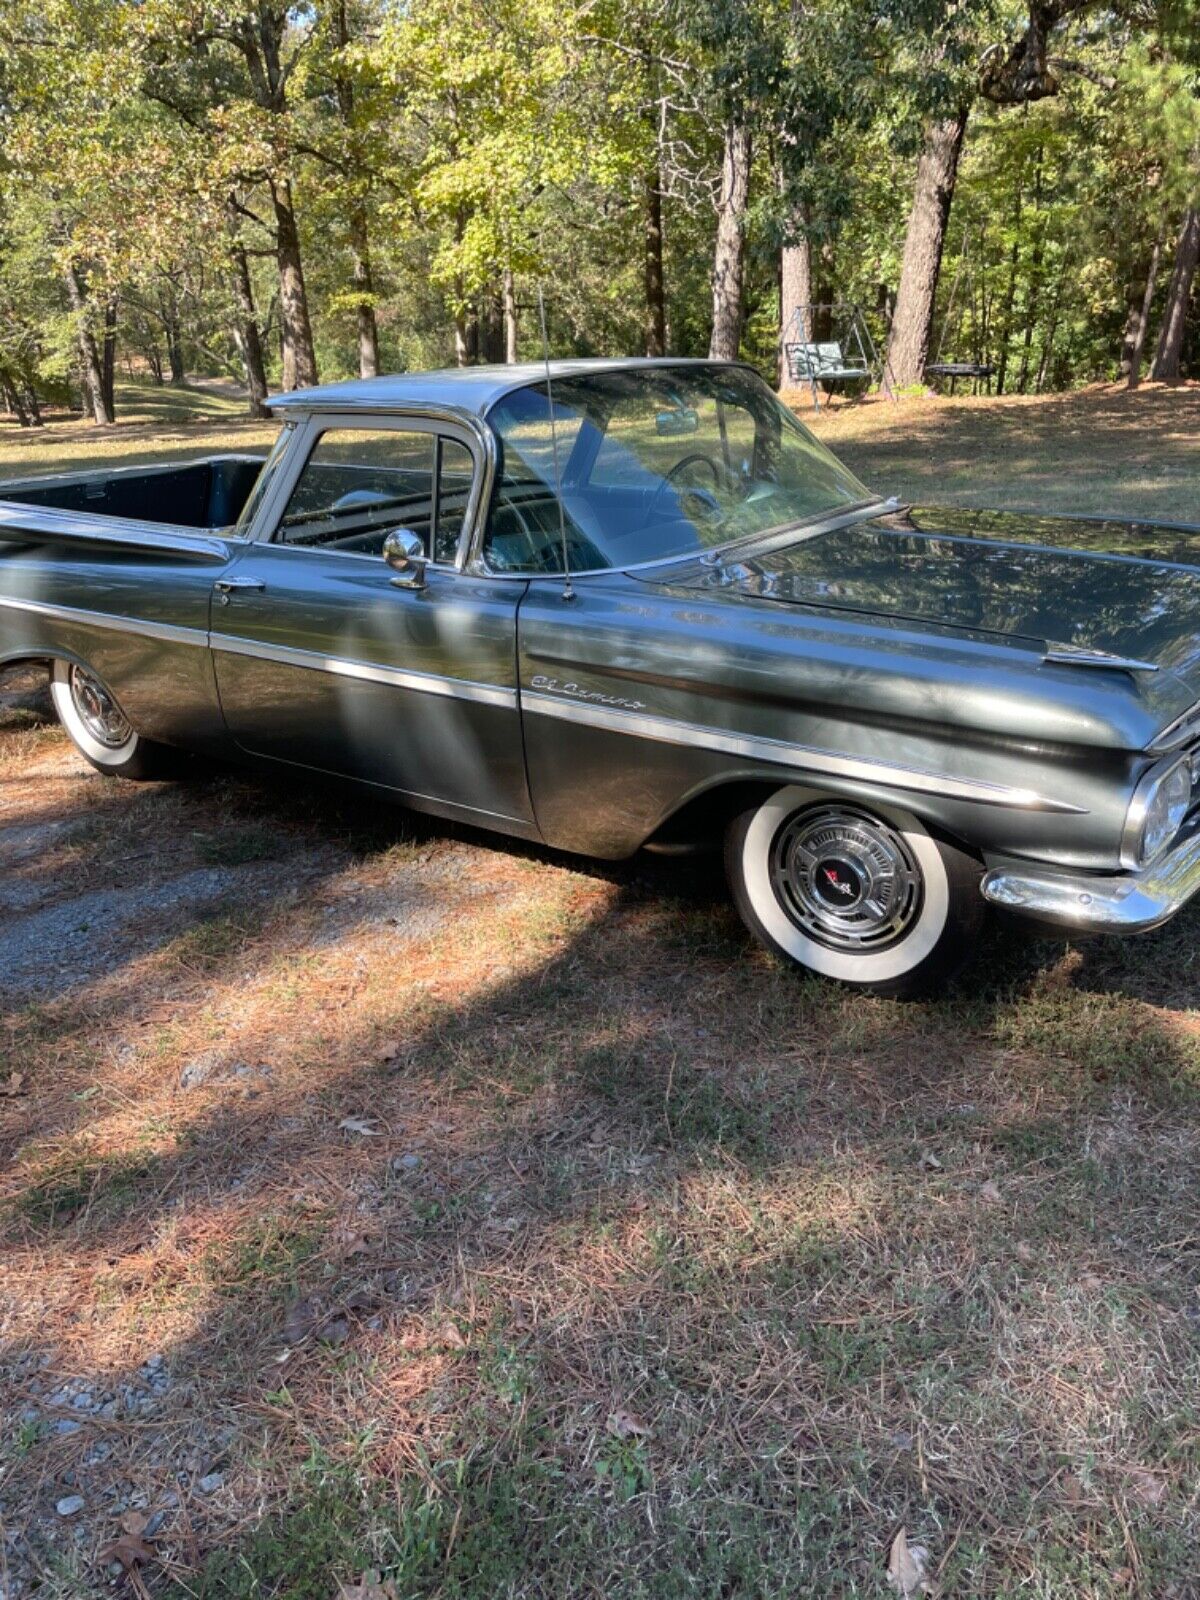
<point>423,152</point>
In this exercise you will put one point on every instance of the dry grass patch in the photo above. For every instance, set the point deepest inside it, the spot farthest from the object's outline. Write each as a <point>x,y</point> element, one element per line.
<point>1098,451</point>
<point>508,1225</point>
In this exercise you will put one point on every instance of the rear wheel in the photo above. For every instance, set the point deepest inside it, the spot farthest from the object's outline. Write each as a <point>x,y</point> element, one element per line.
<point>101,731</point>
<point>862,894</point>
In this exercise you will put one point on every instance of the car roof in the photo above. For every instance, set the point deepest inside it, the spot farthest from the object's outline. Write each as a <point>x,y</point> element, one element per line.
<point>472,389</point>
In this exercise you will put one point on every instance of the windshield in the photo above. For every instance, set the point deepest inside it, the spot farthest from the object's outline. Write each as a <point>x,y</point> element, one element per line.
<point>655,463</point>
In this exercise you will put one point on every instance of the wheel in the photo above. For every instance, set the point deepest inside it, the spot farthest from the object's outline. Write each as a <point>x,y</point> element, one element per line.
<point>100,730</point>
<point>862,894</point>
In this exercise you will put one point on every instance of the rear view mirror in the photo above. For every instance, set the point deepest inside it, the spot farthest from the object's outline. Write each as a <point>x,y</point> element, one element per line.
<point>676,422</point>
<point>405,554</point>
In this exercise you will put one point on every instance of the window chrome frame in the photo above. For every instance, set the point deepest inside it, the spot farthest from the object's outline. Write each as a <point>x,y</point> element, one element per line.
<point>448,422</point>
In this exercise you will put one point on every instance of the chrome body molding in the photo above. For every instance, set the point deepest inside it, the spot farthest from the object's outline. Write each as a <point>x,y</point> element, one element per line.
<point>780,752</point>
<point>36,522</point>
<point>1071,655</point>
<point>167,632</point>
<point>489,694</point>
<point>1125,902</point>
<point>1177,733</point>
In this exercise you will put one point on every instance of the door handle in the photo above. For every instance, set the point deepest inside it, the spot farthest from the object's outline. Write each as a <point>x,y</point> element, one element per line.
<point>224,587</point>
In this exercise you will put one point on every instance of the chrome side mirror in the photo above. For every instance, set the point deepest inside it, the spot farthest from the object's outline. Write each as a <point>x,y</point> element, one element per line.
<point>405,554</point>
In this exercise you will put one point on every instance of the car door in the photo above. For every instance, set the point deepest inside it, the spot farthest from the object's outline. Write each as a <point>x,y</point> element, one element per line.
<point>323,660</point>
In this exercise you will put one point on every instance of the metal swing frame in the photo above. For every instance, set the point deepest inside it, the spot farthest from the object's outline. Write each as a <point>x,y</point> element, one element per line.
<point>817,362</point>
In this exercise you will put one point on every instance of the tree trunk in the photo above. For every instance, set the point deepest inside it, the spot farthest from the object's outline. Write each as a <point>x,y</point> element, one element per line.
<point>12,399</point>
<point>364,288</point>
<point>360,239</point>
<point>31,404</point>
<point>491,328</point>
<point>1137,323</point>
<point>1033,299</point>
<point>247,334</point>
<point>170,317</point>
<point>795,298</point>
<point>462,340</point>
<point>510,317</point>
<point>91,377</point>
<point>652,261</point>
<point>1169,350</point>
<point>731,231</point>
<point>109,360</point>
<point>299,357</point>
<point>912,320</point>
<point>1010,295</point>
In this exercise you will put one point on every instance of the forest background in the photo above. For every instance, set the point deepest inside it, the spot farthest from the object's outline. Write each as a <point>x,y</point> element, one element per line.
<point>294,194</point>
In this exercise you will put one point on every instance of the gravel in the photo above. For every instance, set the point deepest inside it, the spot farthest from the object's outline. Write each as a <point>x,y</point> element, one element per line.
<point>73,942</point>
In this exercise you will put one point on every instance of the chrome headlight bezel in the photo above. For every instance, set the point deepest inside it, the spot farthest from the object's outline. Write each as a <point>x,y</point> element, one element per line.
<point>1155,814</point>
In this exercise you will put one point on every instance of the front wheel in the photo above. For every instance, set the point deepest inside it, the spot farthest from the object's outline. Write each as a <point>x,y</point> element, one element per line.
<point>100,730</point>
<point>862,894</point>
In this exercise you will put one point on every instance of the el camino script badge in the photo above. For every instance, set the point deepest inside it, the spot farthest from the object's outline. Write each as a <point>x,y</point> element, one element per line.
<point>577,692</point>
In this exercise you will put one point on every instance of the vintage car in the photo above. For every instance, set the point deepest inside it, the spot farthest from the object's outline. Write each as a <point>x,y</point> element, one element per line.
<point>610,605</point>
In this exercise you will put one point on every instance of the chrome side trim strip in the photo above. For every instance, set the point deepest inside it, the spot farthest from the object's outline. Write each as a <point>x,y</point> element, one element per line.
<point>1176,733</point>
<point>42,522</point>
<point>808,759</point>
<point>1070,655</point>
<point>169,632</point>
<point>487,694</point>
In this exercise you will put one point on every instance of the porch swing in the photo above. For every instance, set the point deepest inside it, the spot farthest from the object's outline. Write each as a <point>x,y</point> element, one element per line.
<point>851,357</point>
<point>977,371</point>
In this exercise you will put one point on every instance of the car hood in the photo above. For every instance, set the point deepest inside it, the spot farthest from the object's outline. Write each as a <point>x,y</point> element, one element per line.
<point>1130,589</point>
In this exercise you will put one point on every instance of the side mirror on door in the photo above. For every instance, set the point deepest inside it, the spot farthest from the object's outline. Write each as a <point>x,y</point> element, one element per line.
<point>405,554</point>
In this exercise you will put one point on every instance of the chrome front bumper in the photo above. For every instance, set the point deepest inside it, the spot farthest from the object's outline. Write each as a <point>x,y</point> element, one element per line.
<point>1125,902</point>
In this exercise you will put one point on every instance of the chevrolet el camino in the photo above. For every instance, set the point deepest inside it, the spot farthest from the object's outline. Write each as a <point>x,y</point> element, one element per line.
<point>611,605</point>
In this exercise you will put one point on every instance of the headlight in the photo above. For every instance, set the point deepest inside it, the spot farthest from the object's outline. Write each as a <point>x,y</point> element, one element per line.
<point>1156,812</point>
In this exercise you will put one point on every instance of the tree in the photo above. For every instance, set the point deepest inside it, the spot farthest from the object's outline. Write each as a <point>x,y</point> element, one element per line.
<point>1169,350</point>
<point>226,71</point>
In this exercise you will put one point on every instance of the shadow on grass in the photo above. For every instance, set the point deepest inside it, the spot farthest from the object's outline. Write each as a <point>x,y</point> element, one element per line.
<point>659,1272</point>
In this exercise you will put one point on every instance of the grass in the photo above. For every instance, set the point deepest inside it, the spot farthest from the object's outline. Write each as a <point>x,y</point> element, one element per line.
<point>1100,451</point>
<point>154,424</point>
<point>507,1225</point>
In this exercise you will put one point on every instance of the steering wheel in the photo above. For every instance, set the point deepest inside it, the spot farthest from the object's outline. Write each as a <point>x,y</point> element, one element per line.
<point>704,501</point>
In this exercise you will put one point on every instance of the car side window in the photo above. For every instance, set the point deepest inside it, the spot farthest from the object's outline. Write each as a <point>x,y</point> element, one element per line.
<point>360,483</point>
<point>455,475</point>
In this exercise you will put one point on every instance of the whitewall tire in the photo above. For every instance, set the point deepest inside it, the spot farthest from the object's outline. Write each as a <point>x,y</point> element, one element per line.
<point>99,729</point>
<point>863,894</point>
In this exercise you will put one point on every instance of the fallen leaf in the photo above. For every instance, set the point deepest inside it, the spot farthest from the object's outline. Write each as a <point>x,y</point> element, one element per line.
<point>389,1052</point>
<point>450,1334</point>
<point>303,1316</point>
<point>358,1125</point>
<point>369,1587</point>
<point>352,1241</point>
<point>990,1194</point>
<point>131,1548</point>
<point>930,1162</point>
<point>1072,1489</point>
<point>1147,1488</point>
<point>1025,1251</point>
<point>907,1565</point>
<point>626,1424</point>
<point>11,1085</point>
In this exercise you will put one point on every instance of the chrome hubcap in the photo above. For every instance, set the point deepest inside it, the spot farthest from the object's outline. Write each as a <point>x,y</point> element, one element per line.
<point>97,710</point>
<point>845,878</point>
